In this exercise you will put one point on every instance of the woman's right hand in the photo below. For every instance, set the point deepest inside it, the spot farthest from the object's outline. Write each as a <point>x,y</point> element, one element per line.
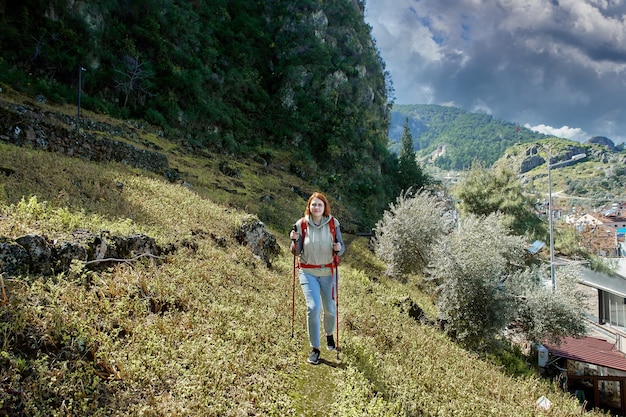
<point>293,235</point>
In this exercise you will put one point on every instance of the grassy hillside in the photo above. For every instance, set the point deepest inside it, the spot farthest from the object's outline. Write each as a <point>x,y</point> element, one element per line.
<point>206,331</point>
<point>593,182</point>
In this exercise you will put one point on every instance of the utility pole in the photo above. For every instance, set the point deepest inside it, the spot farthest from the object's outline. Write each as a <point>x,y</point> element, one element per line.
<point>558,164</point>
<point>80,85</point>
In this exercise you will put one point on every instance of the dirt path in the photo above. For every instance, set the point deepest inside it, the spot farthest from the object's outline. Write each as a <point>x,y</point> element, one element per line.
<point>316,385</point>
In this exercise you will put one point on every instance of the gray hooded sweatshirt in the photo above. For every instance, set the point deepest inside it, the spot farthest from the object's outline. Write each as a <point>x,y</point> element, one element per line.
<point>317,247</point>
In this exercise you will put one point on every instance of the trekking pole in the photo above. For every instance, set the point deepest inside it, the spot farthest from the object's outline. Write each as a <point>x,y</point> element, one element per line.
<point>337,303</point>
<point>293,295</point>
<point>293,285</point>
<point>336,268</point>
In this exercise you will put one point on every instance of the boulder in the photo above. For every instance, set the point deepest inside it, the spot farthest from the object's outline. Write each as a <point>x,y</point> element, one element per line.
<point>39,252</point>
<point>14,259</point>
<point>262,243</point>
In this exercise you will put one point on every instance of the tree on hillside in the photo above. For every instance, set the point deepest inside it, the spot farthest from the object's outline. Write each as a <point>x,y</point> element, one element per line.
<point>406,234</point>
<point>542,314</point>
<point>133,80</point>
<point>410,174</point>
<point>487,191</point>
<point>471,267</point>
<point>483,287</point>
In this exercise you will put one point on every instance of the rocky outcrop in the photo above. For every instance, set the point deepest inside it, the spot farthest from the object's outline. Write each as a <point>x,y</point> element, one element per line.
<point>440,152</point>
<point>34,254</point>
<point>533,158</point>
<point>604,141</point>
<point>37,255</point>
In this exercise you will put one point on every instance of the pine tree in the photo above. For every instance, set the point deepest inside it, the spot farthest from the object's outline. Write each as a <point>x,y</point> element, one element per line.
<point>410,174</point>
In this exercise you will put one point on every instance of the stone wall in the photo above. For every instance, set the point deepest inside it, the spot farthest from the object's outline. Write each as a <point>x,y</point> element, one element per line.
<point>27,126</point>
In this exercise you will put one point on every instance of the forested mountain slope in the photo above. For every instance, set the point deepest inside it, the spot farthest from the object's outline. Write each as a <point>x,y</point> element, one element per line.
<point>232,76</point>
<point>452,138</point>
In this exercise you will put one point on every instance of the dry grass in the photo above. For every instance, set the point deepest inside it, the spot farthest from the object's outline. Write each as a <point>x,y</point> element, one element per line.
<point>206,332</point>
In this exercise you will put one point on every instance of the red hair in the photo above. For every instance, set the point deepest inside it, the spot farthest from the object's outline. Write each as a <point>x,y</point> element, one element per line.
<point>321,197</point>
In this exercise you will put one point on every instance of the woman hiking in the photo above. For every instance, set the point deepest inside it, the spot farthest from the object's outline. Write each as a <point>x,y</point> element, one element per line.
<point>316,238</point>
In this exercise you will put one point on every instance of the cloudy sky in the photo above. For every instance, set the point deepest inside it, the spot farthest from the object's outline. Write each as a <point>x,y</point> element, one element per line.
<point>555,66</point>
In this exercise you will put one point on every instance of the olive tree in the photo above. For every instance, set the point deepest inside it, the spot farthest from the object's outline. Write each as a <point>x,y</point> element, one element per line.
<point>470,269</point>
<point>545,315</point>
<point>484,287</point>
<point>408,230</point>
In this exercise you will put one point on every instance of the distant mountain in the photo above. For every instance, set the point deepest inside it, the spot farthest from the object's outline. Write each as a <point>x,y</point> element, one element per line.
<point>452,139</point>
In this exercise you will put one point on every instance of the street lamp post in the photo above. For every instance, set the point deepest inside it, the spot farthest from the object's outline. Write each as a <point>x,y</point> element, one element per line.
<point>80,85</point>
<point>550,221</point>
<point>552,275</point>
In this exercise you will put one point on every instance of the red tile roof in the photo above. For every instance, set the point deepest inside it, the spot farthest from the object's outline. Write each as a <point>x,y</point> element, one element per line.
<point>590,350</point>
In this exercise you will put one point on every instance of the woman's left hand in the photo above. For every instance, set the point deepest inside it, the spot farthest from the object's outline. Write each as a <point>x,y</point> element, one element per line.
<point>336,246</point>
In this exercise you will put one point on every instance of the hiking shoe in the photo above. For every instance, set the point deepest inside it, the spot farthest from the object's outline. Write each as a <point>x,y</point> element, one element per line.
<point>314,357</point>
<point>330,343</point>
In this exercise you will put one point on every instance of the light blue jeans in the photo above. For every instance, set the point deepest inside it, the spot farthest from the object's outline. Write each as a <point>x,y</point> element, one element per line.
<point>318,293</point>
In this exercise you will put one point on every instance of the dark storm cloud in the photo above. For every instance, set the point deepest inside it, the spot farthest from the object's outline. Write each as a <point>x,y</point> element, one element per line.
<point>556,66</point>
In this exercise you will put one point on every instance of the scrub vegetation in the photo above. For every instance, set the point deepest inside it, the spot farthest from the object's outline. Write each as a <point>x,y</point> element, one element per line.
<point>206,330</point>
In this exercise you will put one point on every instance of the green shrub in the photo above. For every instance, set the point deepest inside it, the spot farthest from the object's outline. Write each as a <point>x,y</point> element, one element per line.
<point>405,236</point>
